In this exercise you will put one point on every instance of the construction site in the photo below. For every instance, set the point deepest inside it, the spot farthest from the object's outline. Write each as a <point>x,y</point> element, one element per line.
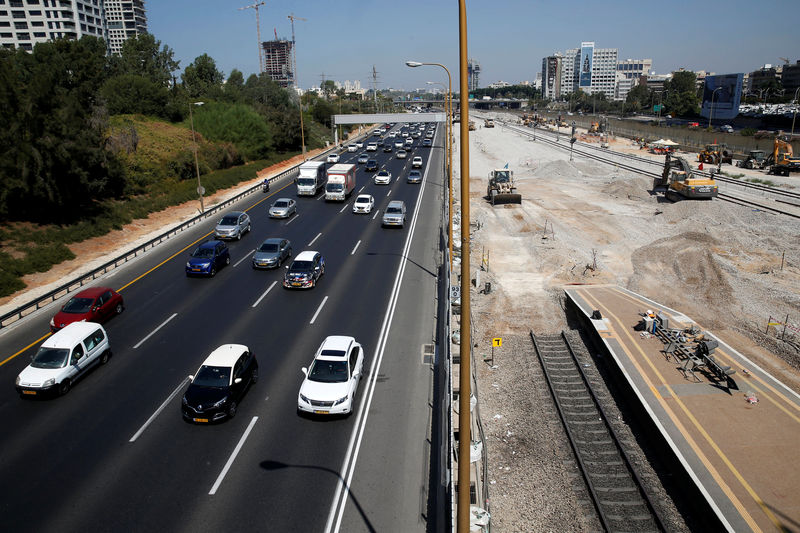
<point>672,291</point>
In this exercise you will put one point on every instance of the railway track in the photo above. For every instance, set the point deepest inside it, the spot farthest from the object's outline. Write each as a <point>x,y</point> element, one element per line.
<point>617,492</point>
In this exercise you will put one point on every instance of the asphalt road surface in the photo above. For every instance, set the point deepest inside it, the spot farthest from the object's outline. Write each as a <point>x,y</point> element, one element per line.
<point>115,455</point>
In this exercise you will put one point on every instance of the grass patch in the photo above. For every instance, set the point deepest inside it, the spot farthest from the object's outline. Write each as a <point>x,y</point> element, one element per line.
<point>768,183</point>
<point>734,176</point>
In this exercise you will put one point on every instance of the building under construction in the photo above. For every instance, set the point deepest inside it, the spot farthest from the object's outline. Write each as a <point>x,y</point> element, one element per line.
<point>473,74</point>
<point>278,61</point>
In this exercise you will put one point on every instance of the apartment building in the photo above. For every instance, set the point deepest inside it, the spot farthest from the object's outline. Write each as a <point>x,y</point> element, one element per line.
<point>25,23</point>
<point>124,19</point>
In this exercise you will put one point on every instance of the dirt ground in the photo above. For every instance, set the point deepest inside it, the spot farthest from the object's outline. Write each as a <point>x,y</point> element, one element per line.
<point>586,222</point>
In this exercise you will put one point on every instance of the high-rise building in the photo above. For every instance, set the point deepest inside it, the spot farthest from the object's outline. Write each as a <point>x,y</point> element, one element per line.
<point>551,76</point>
<point>473,74</point>
<point>790,77</point>
<point>22,25</point>
<point>592,70</point>
<point>124,19</point>
<point>635,68</point>
<point>278,61</point>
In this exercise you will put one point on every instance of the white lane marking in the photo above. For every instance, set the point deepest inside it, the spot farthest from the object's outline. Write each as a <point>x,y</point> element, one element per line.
<point>375,215</point>
<point>265,293</point>
<point>343,208</point>
<point>292,219</point>
<point>315,238</point>
<point>236,264</point>
<point>158,411</point>
<point>362,188</point>
<point>319,309</point>
<point>232,457</point>
<point>356,248</point>
<point>321,196</point>
<point>389,193</point>
<point>154,331</point>
<point>349,464</point>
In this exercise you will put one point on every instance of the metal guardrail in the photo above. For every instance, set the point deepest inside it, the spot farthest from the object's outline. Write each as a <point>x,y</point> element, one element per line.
<point>77,283</point>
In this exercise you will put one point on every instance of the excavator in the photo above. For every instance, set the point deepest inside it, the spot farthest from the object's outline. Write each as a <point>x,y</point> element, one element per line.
<point>679,182</point>
<point>782,161</point>
<point>501,187</point>
<point>712,153</point>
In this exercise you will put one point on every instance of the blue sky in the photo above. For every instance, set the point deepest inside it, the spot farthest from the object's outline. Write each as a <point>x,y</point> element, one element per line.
<point>343,40</point>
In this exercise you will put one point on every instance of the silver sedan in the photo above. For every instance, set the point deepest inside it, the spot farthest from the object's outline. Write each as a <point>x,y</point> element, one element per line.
<point>283,208</point>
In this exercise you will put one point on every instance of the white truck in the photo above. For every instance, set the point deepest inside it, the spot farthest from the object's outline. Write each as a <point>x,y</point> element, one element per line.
<point>341,182</point>
<point>311,178</point>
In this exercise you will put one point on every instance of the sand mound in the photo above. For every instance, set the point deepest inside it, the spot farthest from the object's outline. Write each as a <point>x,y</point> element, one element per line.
<point>629,187</point>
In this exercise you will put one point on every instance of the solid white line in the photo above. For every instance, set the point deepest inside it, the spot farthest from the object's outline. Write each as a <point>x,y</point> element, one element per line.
<point>292,219</point>
<point>319,309</point>
<point>348,465</point>
<point>155,330</point>
<point>356,248</point>
<point>343,208</point>
<point>265,293</point>
<point>232,457</point>
<point>236,264</point>
<point>315,238</point>
<point>158,411</point>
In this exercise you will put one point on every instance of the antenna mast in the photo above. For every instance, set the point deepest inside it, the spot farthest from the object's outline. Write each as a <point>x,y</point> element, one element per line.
<point>258,31</point>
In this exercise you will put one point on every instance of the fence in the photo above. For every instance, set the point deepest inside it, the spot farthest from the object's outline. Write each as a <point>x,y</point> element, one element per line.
<point>783,326</point>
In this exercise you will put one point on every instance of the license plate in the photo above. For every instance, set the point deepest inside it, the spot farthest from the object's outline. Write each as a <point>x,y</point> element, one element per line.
<point>200,420</point>
<point>297,284</point>
<point>704,189</point>
<point>196,270</point>
<point>322,412</point>
<point>31,392</point>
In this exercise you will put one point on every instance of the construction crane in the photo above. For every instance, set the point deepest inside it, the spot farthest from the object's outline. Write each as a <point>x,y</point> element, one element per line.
<point>258,30</point>
<point>297,84</point>
<point>785,60</point>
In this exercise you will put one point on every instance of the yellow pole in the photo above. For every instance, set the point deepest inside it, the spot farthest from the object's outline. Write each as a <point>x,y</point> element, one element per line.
<point>464,428</point>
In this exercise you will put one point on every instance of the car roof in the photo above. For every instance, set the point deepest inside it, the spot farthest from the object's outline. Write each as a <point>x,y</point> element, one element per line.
<point>233,213</point>
<point>70,334</point>
<point>395,203</point>
<point>283,199</point>
<point>92,292</point>
<point>225,355</point>
<point>209,244</point>
<point>364,196</point>
<point>273,240</point>
<point>308,255</point>
<point>336,342</point>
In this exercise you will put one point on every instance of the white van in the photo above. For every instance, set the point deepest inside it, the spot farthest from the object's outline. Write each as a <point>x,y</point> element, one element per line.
<point>311,178</point>
<point>64,358</point>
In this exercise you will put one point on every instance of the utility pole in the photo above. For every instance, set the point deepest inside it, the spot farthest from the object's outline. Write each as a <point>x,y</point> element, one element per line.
<point>258,31</point>
<point>297,85</point>
<point>375,87</point>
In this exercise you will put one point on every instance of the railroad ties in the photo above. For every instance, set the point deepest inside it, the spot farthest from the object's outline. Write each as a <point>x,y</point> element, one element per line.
<point>616,491</point>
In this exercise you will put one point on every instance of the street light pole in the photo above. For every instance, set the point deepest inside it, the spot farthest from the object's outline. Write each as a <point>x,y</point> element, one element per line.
<point>711,113</point>
<point>200,189</point>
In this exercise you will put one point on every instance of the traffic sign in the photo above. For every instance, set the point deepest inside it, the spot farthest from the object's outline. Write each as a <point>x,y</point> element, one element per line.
<point>497,341</point>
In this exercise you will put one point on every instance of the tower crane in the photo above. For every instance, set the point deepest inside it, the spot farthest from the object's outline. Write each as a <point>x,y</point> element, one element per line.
<point>258,30</point>
<point>297,84</point>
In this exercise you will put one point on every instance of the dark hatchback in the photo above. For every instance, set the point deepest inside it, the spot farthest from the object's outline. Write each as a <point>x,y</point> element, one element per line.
<point>372,164</point>
<point>219,385</point>
<point>208,258</point>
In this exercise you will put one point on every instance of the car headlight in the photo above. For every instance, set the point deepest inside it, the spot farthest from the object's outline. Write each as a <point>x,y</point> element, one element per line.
<point>341,400</point>
<point>205,265</point>
<point>184,401</point>
<point>16,382</point>
<point>188,264</point>
<point>305,399</point>
<point>49,383</point>
<point>220,402</point>
<point>52,322</point>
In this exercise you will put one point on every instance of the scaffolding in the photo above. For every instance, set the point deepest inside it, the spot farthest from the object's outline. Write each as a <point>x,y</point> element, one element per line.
<point>278,61</point>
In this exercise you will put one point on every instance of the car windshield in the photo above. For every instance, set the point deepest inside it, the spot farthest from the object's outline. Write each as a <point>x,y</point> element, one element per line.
<point>414,173</point>
<point>306,181</point>
<point>335,187</point>
<point>302,265</point>
<point>230,220</point>
<point>362,200</point>
<point>78,305</point>
<point>501,176</point>
<point>50,358</point>
<point>383,173</point>
<point>281,203</point>
<point>204,253</point>
<point>268,247</point>
<point>394,210</point>
<point>328,371</point>
<point>212,376</point>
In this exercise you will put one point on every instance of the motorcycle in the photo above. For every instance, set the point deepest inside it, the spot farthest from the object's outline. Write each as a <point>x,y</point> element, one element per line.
<point>265,187</point>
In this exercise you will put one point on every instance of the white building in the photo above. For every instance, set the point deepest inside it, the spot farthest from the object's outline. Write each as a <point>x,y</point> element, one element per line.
<point>552,72</point>
<point>124,19</point>
<point>635,68</point>
<point>499,84</point>
<point>592,70</point>
<point>22,25</point>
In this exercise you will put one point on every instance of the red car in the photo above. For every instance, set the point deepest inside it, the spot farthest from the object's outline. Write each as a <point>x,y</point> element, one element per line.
<point>97,304</point>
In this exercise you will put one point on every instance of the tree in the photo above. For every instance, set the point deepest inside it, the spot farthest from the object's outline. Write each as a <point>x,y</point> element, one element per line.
<point>202,79</point>
<point>328,87</point>
<point>131,93</point>
<point>143,56</point>
<point>682,98</point>
<point>638,98</point>
<point>234,86</point>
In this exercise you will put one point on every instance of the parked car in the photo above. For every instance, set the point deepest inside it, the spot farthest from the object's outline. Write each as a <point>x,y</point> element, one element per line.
<point>272,253</point>
<point>395,214</point>
<point>363,158</point>
<point>416,162</point>
<point>384,177</point>
<point>372,164</point>
<point>208,258</point>
<point>305,271</point>
<point>232,226</point>
<point>331,381</point>
<point>363,204</point>
<point>333,158</point>
<point>96,304</point>
<point>64,358</point>
<point>414,176</point>
<point>283,208</point>
<point>219,385</point>
<point>401,154</point>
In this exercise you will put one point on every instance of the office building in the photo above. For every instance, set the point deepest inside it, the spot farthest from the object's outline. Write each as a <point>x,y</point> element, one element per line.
<point>592,70</point>
<point>552,70</point>
<point>790,77</point>
<point>635,68</point>
<point>278,61</point>
<point>22,25</point>
<point>124,19</point>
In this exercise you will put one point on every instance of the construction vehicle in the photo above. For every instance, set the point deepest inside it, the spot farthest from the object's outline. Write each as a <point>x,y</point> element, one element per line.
<point>712,153</point>
<point>501,187</point>
<point>678,181</point>
<point>471,125</point>
<point>755,159</point>
<point>782,161</point>
<point>594,128</point>
<point>488,123</point>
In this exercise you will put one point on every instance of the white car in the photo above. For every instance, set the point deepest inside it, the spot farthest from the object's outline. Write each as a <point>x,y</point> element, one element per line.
<point>384,177</point>
<point>372,147</point>
<point>359,144</point>
<point>398,143</point>
<point>333,158</point>
<point>401,154</point>
<point>352,148</point>
<point>416,162</point>
<point>330,383</point>
<point>363,204</point>
<point>392,134</point>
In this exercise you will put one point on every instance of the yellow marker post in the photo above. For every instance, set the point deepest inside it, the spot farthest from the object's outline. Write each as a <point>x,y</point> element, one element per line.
<point>497,341</point>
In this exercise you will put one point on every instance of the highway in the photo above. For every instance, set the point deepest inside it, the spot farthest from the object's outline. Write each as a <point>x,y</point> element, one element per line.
<point>114,454</point>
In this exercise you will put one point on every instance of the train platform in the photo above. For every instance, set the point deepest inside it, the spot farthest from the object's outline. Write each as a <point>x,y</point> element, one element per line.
<point>737,434</point>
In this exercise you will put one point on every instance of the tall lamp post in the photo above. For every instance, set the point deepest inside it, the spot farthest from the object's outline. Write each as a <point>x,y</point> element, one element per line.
<point>711,113</point>
<point>449,151</point>
<point>794,113</point>
<point>660,105</point>
<point>200,190</point>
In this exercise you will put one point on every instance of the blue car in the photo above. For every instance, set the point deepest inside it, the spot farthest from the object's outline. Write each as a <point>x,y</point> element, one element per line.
<point>208,258</point>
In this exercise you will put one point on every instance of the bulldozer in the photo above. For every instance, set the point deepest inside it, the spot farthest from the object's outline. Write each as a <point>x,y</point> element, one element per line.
<point>488,123</point>
<point>501,187</point>
<point>679,182</point>
<point>755,159</point>
<point>713,153</point>
<point>471,125</point>
<point>594,128</point>
<point>782,161</point>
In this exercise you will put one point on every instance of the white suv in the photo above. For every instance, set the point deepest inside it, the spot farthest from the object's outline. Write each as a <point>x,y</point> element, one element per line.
<point>416,162</point>
<point>331,382</point>
<point>372,147</point>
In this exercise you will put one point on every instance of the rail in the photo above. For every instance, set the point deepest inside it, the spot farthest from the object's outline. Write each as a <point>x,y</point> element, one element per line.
<point>616,490</point>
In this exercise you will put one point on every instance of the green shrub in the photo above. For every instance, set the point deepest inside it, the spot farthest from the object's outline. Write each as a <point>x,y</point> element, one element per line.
<point>747,132</point>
